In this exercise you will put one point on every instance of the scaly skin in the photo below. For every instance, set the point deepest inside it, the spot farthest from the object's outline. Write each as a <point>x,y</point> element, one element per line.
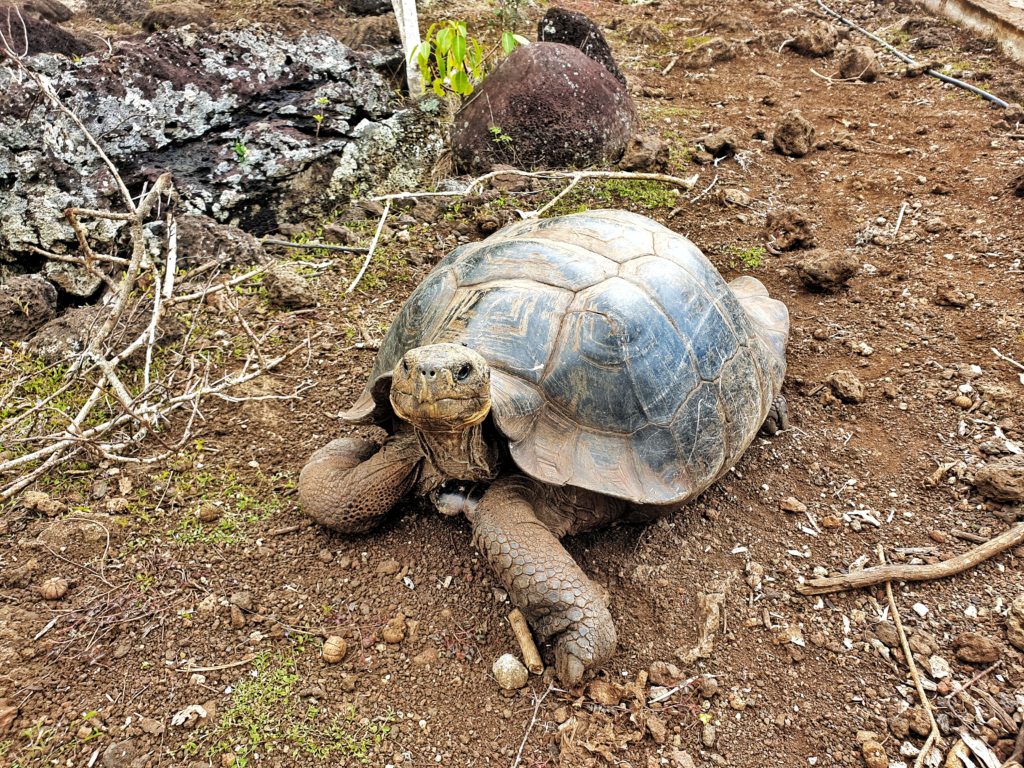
<point>542,580</point>
<point>350,484</point>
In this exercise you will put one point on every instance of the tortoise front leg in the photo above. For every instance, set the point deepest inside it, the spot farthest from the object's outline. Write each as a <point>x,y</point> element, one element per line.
<point>542,579</point>
<point>351,483</point>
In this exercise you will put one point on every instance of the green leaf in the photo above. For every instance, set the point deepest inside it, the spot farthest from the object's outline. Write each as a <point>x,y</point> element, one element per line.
<point>444,40</point>
<point>461,84</point>
<point>459,48</point>
<point>508,42</point>
<point>439,87</point>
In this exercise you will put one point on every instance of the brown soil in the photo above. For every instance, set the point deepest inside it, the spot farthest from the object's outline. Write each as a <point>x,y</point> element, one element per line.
<point>249,597</point>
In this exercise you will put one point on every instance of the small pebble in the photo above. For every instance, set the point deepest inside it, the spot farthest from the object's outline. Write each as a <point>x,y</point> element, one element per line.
<point>510,672</point>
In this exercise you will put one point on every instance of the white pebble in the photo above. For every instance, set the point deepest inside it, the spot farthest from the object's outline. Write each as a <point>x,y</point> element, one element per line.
<point>510,672</point>
<point>921,609</point>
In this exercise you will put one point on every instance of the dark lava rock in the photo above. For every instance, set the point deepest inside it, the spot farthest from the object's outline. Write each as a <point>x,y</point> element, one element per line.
<point>793,136</point>
<point>67,335</point>
<point>118,11</point>
<point>974,648</point>
<point>860,62</point>
<point>369,7</point>
<point>202,240</point>
<point>230,110</point>
<point>561,25</point>
<point>720,143</point>
<point>546,105</point>
<point>51,10</point>
<point>827,272</point>
<point>26,303</point>
<point>646,153</point>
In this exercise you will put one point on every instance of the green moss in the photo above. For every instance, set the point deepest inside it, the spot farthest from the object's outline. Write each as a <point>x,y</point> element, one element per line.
<point>266,716</point>
<point>751,258</point>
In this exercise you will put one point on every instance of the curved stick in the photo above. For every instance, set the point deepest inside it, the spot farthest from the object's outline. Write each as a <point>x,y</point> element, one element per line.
<point>871,576</point>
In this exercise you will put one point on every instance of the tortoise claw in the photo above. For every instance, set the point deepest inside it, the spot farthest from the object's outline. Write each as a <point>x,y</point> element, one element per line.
<point>587,643</point>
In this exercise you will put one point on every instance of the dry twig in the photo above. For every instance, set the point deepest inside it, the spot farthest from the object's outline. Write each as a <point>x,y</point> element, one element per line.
<point>927,572</point>
<point>523,636</point>
<point>372,248</point>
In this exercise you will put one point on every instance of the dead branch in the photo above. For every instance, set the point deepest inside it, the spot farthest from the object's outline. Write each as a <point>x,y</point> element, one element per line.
<point>538,700</point>
<point>928,572</point>
<point>933,734</point>
<point>372,248</point>
<point>687,183</point>
<point>525,639</point>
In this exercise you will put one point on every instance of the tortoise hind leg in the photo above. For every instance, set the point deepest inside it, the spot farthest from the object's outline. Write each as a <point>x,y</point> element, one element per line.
<point>351,483</point>
<point>778,417</point>
<point>542,579</point>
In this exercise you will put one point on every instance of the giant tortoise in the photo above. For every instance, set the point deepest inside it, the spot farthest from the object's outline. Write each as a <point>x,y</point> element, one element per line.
<point>560,375</point>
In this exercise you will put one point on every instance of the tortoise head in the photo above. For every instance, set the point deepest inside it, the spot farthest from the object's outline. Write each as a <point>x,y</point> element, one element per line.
<point>441,388</point>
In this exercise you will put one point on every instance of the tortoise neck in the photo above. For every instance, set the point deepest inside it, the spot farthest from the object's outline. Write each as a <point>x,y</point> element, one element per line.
<point>463,454</point>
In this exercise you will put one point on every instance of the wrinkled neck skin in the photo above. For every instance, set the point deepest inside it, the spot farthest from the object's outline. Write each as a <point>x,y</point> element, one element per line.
<point>463,454</point>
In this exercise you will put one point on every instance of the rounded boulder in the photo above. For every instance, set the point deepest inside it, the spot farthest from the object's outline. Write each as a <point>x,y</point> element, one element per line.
<point>546,105</point>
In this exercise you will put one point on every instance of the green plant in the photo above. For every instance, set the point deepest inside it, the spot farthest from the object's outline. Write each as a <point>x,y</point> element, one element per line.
<point>449,59</point>
<point>265,715</point>
<point>321,102</point>
<point>241,151</point>
<point>751,258</point>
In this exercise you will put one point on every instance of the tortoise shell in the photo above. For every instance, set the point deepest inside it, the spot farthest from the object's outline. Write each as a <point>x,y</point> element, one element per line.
<point>621,360</point>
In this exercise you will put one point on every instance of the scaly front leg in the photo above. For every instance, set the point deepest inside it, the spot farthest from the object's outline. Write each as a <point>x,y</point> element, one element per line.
<point>542,580</point>
<point>351,483</point>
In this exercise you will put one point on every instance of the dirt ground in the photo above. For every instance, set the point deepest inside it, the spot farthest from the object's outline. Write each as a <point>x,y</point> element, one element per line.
<point>915,180</point>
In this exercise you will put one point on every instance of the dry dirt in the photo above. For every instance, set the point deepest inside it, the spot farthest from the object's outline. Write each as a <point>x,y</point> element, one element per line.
<point>246,599</point>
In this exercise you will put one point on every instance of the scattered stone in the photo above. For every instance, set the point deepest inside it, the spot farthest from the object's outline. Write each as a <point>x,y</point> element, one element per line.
<point>339,234</point>
<point>794,135</point>
<point>286,288</point>
<point>708,687</point>
<point>8,713</point>
<point>202,240</point>
<point>827,271</point>
<point>792,505</point>
<point>790,229</point>
<point>510,672</point>
<point>1002,480</point>
<point>939,668</point>
<point>1015,623</point>
<point>645,153</point>
<point>237,617</point>
<point>963,401</point>
<point>708,735</point>
<point>846,386</point>
<point>950,296</point>
<point>681,759</point>
<point>561,25</point>
<point>208,513</point>
<point>426,657</point>
<point>934,225</point>
<point>874,755</point>
<point>720,144</point>
<point>552,105</point>
<point>817,40</point>
<point>334,649</point>
<point>657,728</point>
<point>388,567</point>
<point>737,197</point>
<point>664,673</point>
<point>859,62</point>
<point>394,631</point>
<point>173,15</point>
<point>120,754</point>
<point>151,726</point>
<point>40,501</point>
<point>27,302</point>
<point>645,33</point>
<point>54,588</point>
<point>976,649</point>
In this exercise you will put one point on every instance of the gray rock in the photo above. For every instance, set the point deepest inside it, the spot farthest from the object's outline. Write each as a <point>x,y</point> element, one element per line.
<point>231,112</point>
<point>818,39</point>
<point>286,288</point>
<point>26,303</point>
<point>202,240</point>
<point>73,279</point>
<point>826,271</point>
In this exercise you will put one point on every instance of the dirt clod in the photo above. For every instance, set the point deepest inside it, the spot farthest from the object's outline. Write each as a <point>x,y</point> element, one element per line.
<point>846,386</point>
<point>817,40</point>
<point>334,649</point>
<point>790,228</point>
<point>286,288</point>
<point>976,649</point>
<point>874,755</point>
<point>793,135</point>
<point>827,271</point>
<point>859,62</point>
<point>645,153</point>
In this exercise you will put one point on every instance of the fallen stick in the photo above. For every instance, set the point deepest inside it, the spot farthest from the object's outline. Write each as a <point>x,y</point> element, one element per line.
<point>869,577</point>
<point>933,734</point>
<point>533,721</point>
<point>525,639</point>
<point>372,248</point>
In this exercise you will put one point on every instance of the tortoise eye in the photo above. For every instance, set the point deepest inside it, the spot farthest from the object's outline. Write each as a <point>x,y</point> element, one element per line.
<point>405,365</point>
<point>464,372</point>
